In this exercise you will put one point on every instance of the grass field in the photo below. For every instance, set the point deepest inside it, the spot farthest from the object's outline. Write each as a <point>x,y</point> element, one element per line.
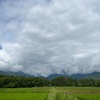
<point>50,93</point>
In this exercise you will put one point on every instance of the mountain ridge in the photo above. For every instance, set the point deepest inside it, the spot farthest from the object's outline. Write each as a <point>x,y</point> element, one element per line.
<point>93,75</point>
<point>18,73</point>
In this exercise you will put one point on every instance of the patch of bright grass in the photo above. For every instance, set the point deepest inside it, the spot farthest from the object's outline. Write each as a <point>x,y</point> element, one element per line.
<point>23,96</point>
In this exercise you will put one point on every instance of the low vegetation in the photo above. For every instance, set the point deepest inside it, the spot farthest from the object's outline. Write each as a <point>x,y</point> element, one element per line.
<point>50,93</point>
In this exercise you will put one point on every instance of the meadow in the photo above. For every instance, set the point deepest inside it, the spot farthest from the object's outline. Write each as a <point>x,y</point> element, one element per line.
<point>50,93</point>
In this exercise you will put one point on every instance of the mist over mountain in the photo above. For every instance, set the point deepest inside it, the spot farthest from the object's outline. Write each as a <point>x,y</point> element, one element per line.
<point>93,75</point>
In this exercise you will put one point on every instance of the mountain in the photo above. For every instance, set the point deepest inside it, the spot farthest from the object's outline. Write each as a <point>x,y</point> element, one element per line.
<point>78,76</point>
<point>74,76</point>
<point>19,73</point>
<point>52,76</point>
<point>94,75</point>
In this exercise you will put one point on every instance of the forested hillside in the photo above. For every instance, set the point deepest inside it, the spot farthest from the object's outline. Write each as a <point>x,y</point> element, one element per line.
<point>19,81</point>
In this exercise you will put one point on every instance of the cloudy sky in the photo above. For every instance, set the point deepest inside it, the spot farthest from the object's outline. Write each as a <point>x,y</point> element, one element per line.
<point>49,36</point>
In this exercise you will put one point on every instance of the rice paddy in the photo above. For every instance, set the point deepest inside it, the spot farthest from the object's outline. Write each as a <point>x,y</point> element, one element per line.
<point>50,93</point>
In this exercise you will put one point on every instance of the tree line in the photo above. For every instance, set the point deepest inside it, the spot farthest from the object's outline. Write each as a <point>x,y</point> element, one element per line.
<point>19,81</point>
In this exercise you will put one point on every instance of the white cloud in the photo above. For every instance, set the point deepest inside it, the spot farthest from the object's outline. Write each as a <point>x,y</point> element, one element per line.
<point>48,36</point>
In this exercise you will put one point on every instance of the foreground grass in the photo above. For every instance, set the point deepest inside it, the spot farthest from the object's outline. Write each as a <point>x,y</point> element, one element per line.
<point>25,90</point>
<point>23,96</point>
<point>50,93</point>
<point>24,93</point>
<point>88,96</point>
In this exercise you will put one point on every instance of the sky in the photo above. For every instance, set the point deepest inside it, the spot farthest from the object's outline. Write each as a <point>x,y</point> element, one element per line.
<point>42,37</point>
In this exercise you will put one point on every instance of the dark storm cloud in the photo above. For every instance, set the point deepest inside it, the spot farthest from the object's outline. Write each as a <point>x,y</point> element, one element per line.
<point>48,36</point>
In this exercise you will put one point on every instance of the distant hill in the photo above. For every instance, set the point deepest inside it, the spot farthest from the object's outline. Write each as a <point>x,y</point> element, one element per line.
<point>52,76</point>
<point>19,73</point>
<point>94,75</point>
<point>78,76</point>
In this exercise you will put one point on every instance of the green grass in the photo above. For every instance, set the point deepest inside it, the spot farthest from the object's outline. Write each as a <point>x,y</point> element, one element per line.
<point>25,90</point>
<point>24,93</point>
<point>23,96</point>
<point>88,96</point>
<point>50,93</point>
